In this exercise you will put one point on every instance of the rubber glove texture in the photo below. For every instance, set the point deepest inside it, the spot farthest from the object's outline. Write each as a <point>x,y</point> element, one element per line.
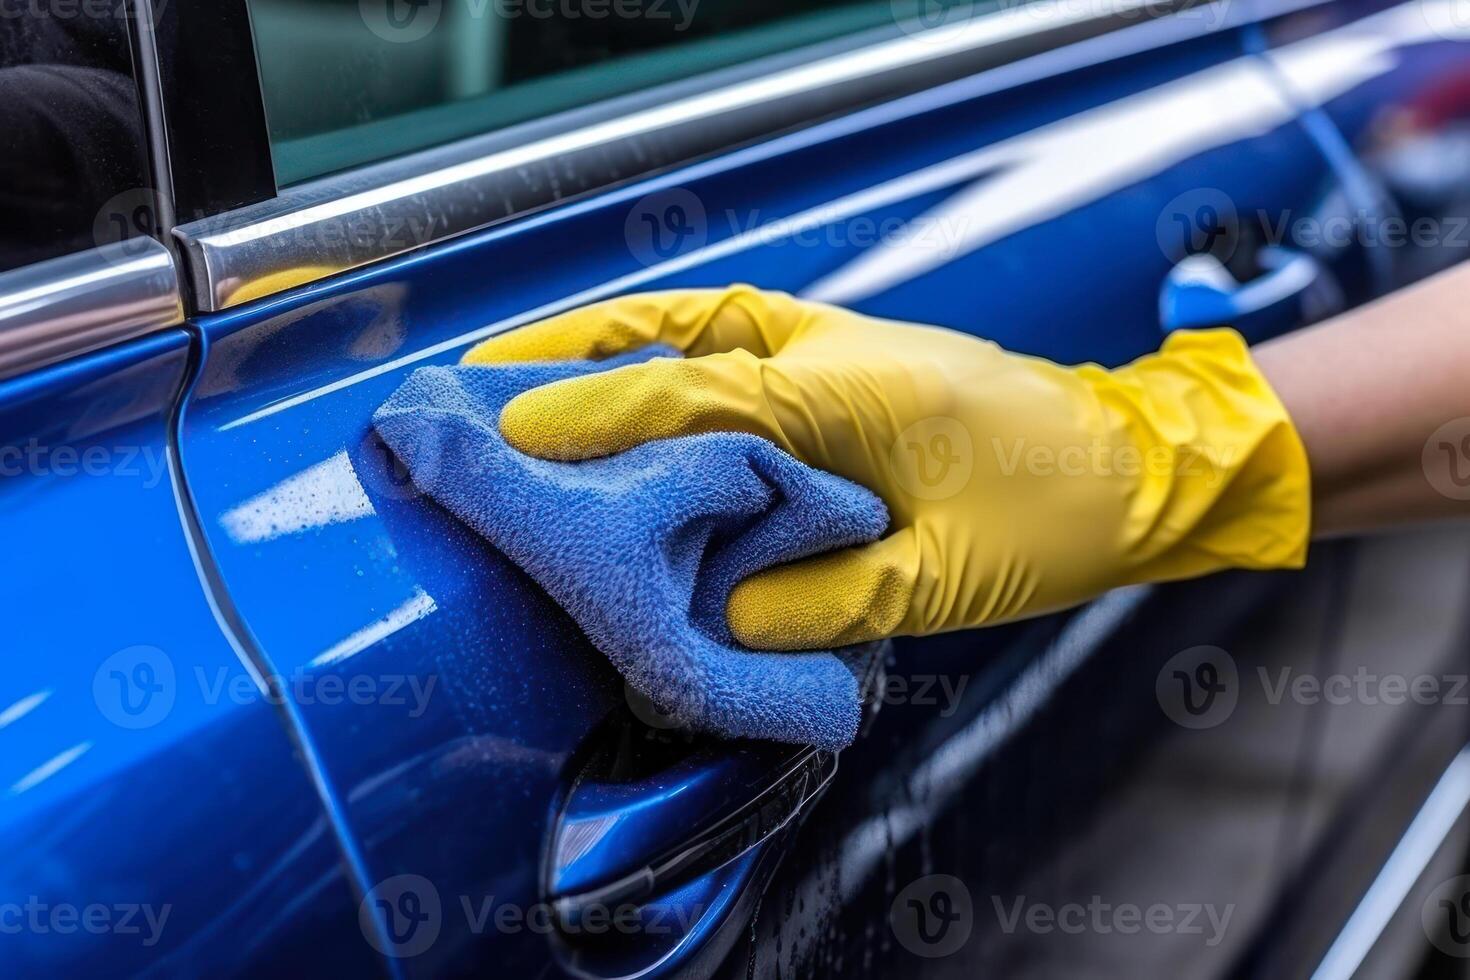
<point>1016,486</point>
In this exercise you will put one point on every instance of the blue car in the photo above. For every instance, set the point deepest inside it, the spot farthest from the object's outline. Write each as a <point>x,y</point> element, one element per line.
<point>267,709</point>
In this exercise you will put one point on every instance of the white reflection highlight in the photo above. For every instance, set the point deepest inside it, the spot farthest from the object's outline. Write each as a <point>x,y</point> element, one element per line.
<point>1325,66</point>
<point>1396,879</point>
<point>23,707</point>
<point>1055,169</point>
<point>1081,159</point>
<point>415,609</point>
<point>326,493</point>
<point>49,768</point>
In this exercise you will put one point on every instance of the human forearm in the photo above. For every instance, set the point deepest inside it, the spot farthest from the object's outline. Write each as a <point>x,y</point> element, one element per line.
<point>1373,393</point>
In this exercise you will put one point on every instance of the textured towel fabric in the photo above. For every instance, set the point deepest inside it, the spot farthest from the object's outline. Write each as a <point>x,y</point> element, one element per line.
<point>643,548</point>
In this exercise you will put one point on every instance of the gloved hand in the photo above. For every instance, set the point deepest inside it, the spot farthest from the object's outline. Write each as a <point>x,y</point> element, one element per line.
<point>1016,486</point>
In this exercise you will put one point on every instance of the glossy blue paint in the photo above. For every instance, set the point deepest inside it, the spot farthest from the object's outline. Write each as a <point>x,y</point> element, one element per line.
<point>611,827</point>
<point>153,814</point>
<point>476,692</point>
<point>438,707</point>
<point>683,932</point>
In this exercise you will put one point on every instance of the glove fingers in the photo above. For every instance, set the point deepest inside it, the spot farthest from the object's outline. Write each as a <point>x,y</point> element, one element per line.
<point>606,413</point>
<point>846,597</point>
<point>696,321</point>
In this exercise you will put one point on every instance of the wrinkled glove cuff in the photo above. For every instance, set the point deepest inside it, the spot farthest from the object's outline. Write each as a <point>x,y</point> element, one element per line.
<point>1239,492</point>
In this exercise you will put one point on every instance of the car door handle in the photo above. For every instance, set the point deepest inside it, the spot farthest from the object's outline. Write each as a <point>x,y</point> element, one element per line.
<point>1291,290</point>
<point>685,827</point>
<point>638,823</point>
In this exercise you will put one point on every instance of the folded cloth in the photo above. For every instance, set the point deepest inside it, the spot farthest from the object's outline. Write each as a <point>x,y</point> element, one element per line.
<point>643,548</point>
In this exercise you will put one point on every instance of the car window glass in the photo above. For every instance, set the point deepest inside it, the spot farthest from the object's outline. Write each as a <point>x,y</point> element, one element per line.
<point>72,173</point>
<point>350,81</point>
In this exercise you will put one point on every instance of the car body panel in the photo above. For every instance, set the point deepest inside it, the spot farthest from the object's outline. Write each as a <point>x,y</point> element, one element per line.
<point>372,709</point>
<point>154,812</point>
<point>298,499</point>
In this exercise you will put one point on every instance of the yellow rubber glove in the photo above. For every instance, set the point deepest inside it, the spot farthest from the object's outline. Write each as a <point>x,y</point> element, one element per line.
<point>1016,486</point>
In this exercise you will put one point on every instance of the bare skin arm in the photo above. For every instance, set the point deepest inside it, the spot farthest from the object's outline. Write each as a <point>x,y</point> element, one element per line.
<point>1376,394</point>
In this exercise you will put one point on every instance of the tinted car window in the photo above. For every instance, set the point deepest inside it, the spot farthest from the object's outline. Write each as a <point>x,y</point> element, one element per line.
<point>349,81</point>
<point>72,170</point>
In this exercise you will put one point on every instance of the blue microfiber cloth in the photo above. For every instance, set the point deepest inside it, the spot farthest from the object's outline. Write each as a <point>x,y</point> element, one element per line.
<point>643,548</point>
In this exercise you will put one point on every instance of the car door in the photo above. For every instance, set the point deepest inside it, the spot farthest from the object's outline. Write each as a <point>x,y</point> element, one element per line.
<point>1031,174</point>
<point>154,813</point>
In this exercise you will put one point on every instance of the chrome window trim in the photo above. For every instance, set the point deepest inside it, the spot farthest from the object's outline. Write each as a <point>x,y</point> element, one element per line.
<point>64,307</point>
<point>340,223</point>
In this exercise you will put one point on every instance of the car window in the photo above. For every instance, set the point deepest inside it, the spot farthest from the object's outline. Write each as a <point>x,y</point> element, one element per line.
<point>72,170</point>
<point>350,81</point>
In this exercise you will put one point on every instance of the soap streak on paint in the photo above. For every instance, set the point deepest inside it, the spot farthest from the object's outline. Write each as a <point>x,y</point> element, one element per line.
<point>326,493</point>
